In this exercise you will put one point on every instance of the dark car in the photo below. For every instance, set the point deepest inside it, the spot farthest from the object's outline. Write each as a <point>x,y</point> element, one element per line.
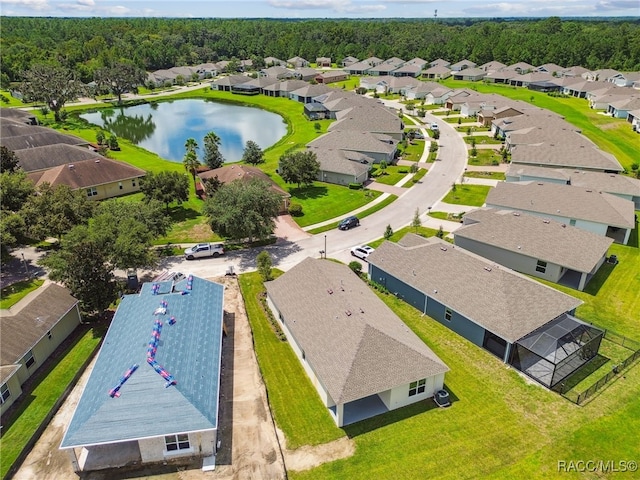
<point>348,223</point>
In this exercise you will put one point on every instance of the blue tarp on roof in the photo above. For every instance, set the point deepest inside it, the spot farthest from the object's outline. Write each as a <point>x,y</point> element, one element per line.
<point>189,350</point>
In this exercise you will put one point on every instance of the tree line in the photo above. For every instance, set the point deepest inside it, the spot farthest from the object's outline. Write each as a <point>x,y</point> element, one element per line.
<point>88,45</point>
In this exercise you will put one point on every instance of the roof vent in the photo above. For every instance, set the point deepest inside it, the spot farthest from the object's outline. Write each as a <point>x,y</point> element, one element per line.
<point>444,249</point>
<point>97,161</point>
<point>589,191</point>
<point>329,291</point>
<point>519,247</point>
<point>516,214</point>
<point>488,269</point>
<point>545,221</point>
<point>348,313</point>
<point>564,225</point>
<point>71,166</point>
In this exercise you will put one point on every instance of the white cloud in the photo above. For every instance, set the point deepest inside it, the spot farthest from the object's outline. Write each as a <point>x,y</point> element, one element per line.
<point>619,5</point>
<point>32,4</point>
<point>338,6</point>
<point>86,3</point>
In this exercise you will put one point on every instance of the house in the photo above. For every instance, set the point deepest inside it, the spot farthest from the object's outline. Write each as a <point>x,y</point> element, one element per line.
<point>361,358</point>
<point>31,330</point>
<point>369,118</point>
<point>594,211</point>
<point>384,68</point>
<point>348,60</point>
<point>633,117</point>
<point>283,89</point>
<point>307,93</point>
<point>16,136</point>
<point>407,70</point>
<point>420,90</point>
<point>438,96</point>
<point>49,156</point>
<point>469,74</point>
<point>492,66</point>
<point>492,306</point>
<point>622,186</point>
<point>380,147</point>
<point>225,84</point>
<point>550,68</point>
<point>535,246</point>
<point>254,86</point>
<point>297,62</point>
<point>331,76</point>
<point>277,71</point>
<point>305,73</point>
<point>602,75</point>
<point>323,62</point>
<point>438,72</point>
<point>462,65</point>
<point>521,67</point>
<point>274,62</point>
<point>14,115</point>
<point>487,115</point>
<point>244,173</point>
<point>500,76</point>
<point>621,108</point>
<point>439,63</point>
<point>575,71</point>
<point>525,79</point>
<point>153,393</point>
<point>100,178</point>
<point>342,167</point>
<point>624,79</point>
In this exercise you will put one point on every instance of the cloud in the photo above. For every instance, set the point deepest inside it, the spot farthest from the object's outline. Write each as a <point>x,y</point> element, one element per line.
<point>618,5</point>
<point>32,4</point>
<point>86,3</point>
<point>338,6</point>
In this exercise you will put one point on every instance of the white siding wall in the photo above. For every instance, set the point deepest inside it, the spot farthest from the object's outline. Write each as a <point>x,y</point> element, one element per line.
<point>399,396</point>
<point>154,450</point>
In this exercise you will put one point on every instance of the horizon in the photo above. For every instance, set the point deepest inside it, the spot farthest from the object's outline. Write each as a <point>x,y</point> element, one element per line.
<point>326,9</point>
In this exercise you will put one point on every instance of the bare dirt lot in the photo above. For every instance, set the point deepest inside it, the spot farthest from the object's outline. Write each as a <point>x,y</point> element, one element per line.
<point>249,445</point>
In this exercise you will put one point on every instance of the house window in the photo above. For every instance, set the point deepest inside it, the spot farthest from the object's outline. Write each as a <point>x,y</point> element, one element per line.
<point>4,393</point>
<point>120,185</point>
<point>173,443</point>
<point>541,266</point>
<point>447,314</point>
<point>92,192</point>
<point>28,359</point>
<point>49,335</point>
<point>418,387</point>
<point>133,182</point>
<point>572,222</point>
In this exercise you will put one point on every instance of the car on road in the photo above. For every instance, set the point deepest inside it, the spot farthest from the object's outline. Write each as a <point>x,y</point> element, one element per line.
<point>204,250</point>
<point>362,251</point>
<point>441,397</point>
<point>434,126</point>
<point>348,223</point>
<point>418,135</point>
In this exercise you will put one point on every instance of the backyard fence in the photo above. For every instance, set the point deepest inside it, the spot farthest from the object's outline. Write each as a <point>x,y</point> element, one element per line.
<point>632,345</point>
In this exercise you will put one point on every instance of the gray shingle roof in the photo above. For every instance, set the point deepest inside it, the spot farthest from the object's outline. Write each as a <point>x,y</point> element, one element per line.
<point>496,298</point>
<point>189,350</point>
<point>356,141</point>
<point>565,201</point>
<point>49,156</point>
<point>341,161</point>
<point>355,344</point>
<point>565,155</point>
<point>365,118</point>
<point>533,237</point>
<point>24,324</point>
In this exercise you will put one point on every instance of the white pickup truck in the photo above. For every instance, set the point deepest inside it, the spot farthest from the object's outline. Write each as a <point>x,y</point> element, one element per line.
<point>204,250</point>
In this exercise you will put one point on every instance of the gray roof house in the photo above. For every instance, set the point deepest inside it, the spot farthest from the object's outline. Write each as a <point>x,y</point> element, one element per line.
<point>226,83</point>
<point>365,118</point>
<point>284,88</point>
<point>19,136</point>
<point>469,74</point>
<point>438,72</point>
<point>534,246</point>
<point>298,62</point>
<point>591,210</point>
<point>362,359</point>
<point>489,305</point>
<point>307,93</point>
<point>462,65</point>
<point>152,396</point>
<point>342,167</point>
<point>623,186</point>
<point>31,330</point>
<point>380,147</point>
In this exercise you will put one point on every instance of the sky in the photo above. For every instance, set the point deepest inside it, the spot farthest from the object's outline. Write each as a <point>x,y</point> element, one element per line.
<point>320,8</point>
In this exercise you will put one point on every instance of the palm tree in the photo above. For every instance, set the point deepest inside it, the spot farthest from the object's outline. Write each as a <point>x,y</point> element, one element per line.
<point>191,145</point>
<point>191,163</point>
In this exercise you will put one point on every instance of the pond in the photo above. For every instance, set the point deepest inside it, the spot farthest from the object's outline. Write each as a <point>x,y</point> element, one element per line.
<point>164,127</point>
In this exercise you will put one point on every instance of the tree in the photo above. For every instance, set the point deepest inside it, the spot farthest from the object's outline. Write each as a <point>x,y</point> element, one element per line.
<point>165,187</point>
<point>252,153</point>
<point>120,78</point>
<point>12,228</point>
<point>388,232</point>
<point>212,156</point>
<point>53,211</point>
<point>211,184</point>
<point>15,189</point>
<point>83,269</point>
<point>301,168</point>
<point>8,160</point>
<point>113,143</point>
<point>436,134</point>
<point>440,232</point>
<point>264,265</point>
<point>416,222</point>
<point>243,209</point>
<point>635,168</point>
<point>52,84</point>
<point>190,160</point>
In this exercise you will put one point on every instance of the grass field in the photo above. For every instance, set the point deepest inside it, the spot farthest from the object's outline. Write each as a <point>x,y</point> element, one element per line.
<point>422,231</point>
<point>485,157</point>
<point>369,211</point>
<point>482,140</point>
<point>390,175</point>
<point>488,175</point>
<point>473,195</point>
<point>14,293</point>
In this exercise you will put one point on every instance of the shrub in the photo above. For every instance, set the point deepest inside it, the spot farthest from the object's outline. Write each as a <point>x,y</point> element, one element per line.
<point>295,209</point>
<point>413,168</point>
<point>421,113</point>
<point>264,265</point>
<point>356,267</point>
<point>355,186</point>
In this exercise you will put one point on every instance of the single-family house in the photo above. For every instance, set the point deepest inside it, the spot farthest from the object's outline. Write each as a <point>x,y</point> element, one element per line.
<point>439,62</point>
<point>602,75</point>
<point>420,90</point>
<point>579,87</point>
<point>358,68</point>
<point>13,115</point>
<point>569,151</point>
<point>277,71</point>
<point>621,108</point>
<point>361,358</point>
<point>31,330</point>
<point>307,93</point>
<point>383,69</point>
<point>274,62</point>
<point>19,136</point>
<point>305,73</point>
<point>244,173</point>
<point>407,70</point>
<point>492,66</point>
<point>575,71</point>
<point>284,88</point>
<point>254,86</point>
<point>438,72</point>
<point>342,167</point>
<point>153,394</point>
<point>633,117</point>
<point>458,97</point>
<point>503,75</point>
<point>487,115</point>
<point>550,68</point>
<point>330,76</point>
<point>535,246</point>
<point>585,208</point>
<point>380,147</point>
<point>462,65</point>
<point>323,62</point>
<point>297,62</point>
<point>225,84</point>
<point>525,79</point>
<point>438,96</point>
<point>420,62</point>
<point>491,306</point>
<point>521,67</point>
<point>369,118</point>
<point>348,60</point>
<point>469,74</point>
<point>626,79</point>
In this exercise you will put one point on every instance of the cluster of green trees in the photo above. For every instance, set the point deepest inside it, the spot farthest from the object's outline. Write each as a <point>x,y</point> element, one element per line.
<point>89,45</point>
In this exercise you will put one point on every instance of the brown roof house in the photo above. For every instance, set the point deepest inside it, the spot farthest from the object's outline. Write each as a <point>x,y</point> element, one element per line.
<point>245,173</point>
<point>533,245</point>
<point>361,358</point>
<point>493,307</point>
<point>30,331</point>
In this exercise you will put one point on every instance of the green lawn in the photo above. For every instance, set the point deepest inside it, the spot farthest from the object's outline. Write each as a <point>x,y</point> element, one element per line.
<point>324,200</point>
<point>48,387</point>
<point>482,140</point>
<point>390,175</point>
<point>295,404</point>
<point>14,293</point>
<point>422,231</point>
<point>466,121</point>
<point>489,175</point>
<point>485,157</point>
<point>613,135</point>
<point>369,211</point>
<point>463,129</point>
<point>414,150</point>
<point>473,195</point>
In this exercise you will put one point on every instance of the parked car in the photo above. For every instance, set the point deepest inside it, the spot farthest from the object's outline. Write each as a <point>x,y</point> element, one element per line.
<point>418,134</point>
<point>204,250</point>
<point>348,223</point>
<point>362,252</point>
<point>441,397</point>
<point>434,126</point>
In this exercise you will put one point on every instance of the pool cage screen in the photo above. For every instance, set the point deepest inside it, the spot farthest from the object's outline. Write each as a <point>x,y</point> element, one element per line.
<point>556,350</point>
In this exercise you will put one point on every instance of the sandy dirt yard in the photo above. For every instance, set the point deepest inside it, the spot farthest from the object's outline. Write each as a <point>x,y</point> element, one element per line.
<point>250,448</point>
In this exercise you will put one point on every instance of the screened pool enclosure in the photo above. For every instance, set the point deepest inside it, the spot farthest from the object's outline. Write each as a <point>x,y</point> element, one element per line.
<point>556,350</point>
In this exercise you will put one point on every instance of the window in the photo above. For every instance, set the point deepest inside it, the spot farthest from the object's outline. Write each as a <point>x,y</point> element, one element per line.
<point>49,335</point>
<point>572,222</point>
<point>447,314</point>
<point>133,182</point>
<point>541,266</point>
<point>418,387</point>
<point>92,192</point>
<point>28,359</point>
<point>120,185</point>
<point>4,393</point>
<point>174,443</point>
